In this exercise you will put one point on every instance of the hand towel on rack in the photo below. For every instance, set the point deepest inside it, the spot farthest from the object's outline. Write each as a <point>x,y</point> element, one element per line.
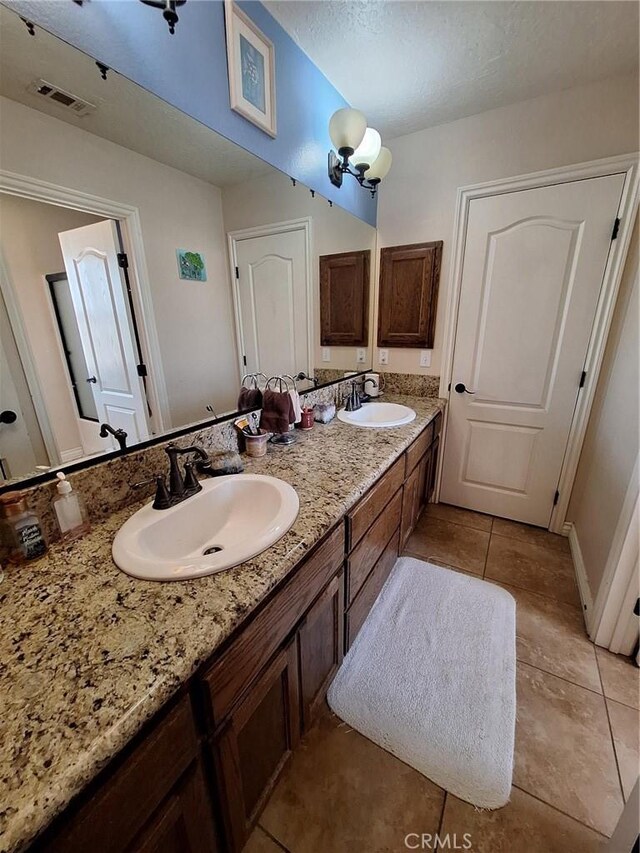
<point>277,412</point>
<point>297,408</point>
<point>250,398</point>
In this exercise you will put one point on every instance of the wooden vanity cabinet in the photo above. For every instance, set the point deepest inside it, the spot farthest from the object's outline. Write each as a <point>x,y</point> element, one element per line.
<point>256,697</point>
<point>321,644</point>
<point>264,689</point>
<point>255,742</point>
<point>152,798</point>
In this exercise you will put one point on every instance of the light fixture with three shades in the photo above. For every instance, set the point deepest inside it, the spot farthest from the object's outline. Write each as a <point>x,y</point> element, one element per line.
<point>360,150</point>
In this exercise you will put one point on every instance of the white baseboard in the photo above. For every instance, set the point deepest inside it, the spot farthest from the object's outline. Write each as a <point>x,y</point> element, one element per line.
<point>581,574</point>
<point>72,455</point>
<point>566,528</point>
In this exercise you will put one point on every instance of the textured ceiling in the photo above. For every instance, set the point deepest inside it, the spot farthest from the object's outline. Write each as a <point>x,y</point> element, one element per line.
<point>411,65</point>
<point>126,113</point>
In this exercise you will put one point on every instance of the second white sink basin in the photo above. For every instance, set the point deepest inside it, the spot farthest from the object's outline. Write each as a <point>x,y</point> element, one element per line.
<point>233,519</point>
<point>378,415</point>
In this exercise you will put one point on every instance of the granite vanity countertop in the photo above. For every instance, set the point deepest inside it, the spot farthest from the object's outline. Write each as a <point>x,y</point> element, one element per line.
<point>88,654</point>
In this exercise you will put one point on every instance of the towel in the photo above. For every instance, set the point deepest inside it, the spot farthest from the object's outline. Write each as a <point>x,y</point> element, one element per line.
<point>297,408</point>
<point>250,398</point>
<point>277,412</point>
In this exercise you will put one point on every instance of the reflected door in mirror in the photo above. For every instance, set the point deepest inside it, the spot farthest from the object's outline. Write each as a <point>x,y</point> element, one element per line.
<point>105,328</point>
<point>272,290</point>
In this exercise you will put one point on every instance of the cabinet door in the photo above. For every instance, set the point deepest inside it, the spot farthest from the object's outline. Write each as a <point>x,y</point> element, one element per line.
<point>256,742</point>
<point>344,299</point>
<point>433,469</point>
<point>410,504</point>
<point>321,647</point>
<point>183,823</point>
<point>409,279</point>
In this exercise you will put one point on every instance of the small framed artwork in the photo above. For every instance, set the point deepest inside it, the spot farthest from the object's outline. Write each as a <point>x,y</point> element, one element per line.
<point>191,265</point>
<point>251,64</point>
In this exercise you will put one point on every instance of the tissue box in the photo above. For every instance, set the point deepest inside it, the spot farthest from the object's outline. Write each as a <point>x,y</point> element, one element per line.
<point>324,412</point>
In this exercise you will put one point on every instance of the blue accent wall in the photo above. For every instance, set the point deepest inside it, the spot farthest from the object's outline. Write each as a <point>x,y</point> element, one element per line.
<point>189,70</point>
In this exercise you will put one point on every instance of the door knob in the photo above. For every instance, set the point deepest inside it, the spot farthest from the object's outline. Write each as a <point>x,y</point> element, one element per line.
<point>8,417</point>
<point>91,379</point>
<point>461,388</point>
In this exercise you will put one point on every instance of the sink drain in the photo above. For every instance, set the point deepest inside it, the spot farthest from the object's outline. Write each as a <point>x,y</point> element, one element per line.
<point>212,550</point>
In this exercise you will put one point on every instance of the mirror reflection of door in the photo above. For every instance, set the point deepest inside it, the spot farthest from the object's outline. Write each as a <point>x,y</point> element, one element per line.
<point>102,334</point>
<point>273,302</point>
<point>22,448</point>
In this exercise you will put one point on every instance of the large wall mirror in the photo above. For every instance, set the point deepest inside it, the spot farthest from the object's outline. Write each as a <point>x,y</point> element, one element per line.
<point>146,263</point>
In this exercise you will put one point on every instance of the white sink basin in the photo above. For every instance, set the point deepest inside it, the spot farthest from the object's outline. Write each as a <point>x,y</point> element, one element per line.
<point>234,517</point>
<point>378,415</point>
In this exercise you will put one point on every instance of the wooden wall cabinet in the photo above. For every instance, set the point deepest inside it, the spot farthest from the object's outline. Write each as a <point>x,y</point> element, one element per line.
<point>344,299</point>
<point>408,299</point>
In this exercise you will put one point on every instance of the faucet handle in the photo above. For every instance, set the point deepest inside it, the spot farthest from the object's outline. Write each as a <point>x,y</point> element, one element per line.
<point>191,484</point>
<point>162,498</point>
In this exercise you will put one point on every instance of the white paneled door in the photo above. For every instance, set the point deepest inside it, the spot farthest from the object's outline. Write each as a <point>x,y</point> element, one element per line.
<point>100,306</point>
<point>272,297</point>
<point>534,262</point>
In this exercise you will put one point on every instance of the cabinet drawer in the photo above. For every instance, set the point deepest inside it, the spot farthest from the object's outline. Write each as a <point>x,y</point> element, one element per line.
<point>255,646</point>
<point>360,519</point>
<point>126,800</point>
<point>365,555</point>
<point>366,598</point>
<point>417,450</point>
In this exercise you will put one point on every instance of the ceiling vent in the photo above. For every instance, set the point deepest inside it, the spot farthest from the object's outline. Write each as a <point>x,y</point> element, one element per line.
<point>63,99</point>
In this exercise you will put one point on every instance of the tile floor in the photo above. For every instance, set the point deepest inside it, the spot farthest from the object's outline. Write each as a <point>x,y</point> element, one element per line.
<point>577,729</point>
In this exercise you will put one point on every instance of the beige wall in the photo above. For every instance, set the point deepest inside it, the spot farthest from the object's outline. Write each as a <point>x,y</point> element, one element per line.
<point>610,449</point>
<point>417,199</point>
<point>274,199</point>
<point>194,320</point>
<point>30,249</point>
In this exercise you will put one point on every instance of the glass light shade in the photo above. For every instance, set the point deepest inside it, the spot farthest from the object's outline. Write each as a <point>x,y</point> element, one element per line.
<point>367,152</point>
<point>380,168</point>
<point>347,128</point>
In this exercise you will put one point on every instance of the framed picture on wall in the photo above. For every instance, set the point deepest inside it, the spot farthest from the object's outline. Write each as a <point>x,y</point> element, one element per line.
<point>251,64</point>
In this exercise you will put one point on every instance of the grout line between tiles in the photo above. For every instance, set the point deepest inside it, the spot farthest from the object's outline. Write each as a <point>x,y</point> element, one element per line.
<point>444,805</point>
<point>560,811</point>
<point>613,742</point>
<point>561,677</point>
<point>273,838</point>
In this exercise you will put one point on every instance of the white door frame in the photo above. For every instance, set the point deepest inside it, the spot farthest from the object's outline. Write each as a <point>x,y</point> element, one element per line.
<point>24,186</point>
<point>28,364</point>
<point>627,165</point>
<point>233,238</point>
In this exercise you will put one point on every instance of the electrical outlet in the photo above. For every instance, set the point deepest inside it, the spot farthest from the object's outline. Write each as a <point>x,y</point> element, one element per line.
<point>383,356</point>
<point>425,358</point>
<point>326,353</point>
<point>360,356</point>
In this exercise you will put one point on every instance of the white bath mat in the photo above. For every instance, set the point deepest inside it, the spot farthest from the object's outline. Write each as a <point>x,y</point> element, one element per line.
<point>431,679</point>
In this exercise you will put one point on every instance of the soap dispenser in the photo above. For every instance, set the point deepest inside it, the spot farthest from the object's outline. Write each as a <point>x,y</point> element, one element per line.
<point>71,512</point>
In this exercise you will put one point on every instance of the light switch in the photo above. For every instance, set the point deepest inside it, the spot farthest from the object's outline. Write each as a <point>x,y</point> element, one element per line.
<point>326,353</point>
<point>383,356</point>
<point>360,356</point>
<point>425,358</point>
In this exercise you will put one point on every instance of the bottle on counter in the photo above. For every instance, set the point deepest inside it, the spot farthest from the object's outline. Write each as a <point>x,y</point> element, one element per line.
<point>22,535</point>
<point>71,511</point>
